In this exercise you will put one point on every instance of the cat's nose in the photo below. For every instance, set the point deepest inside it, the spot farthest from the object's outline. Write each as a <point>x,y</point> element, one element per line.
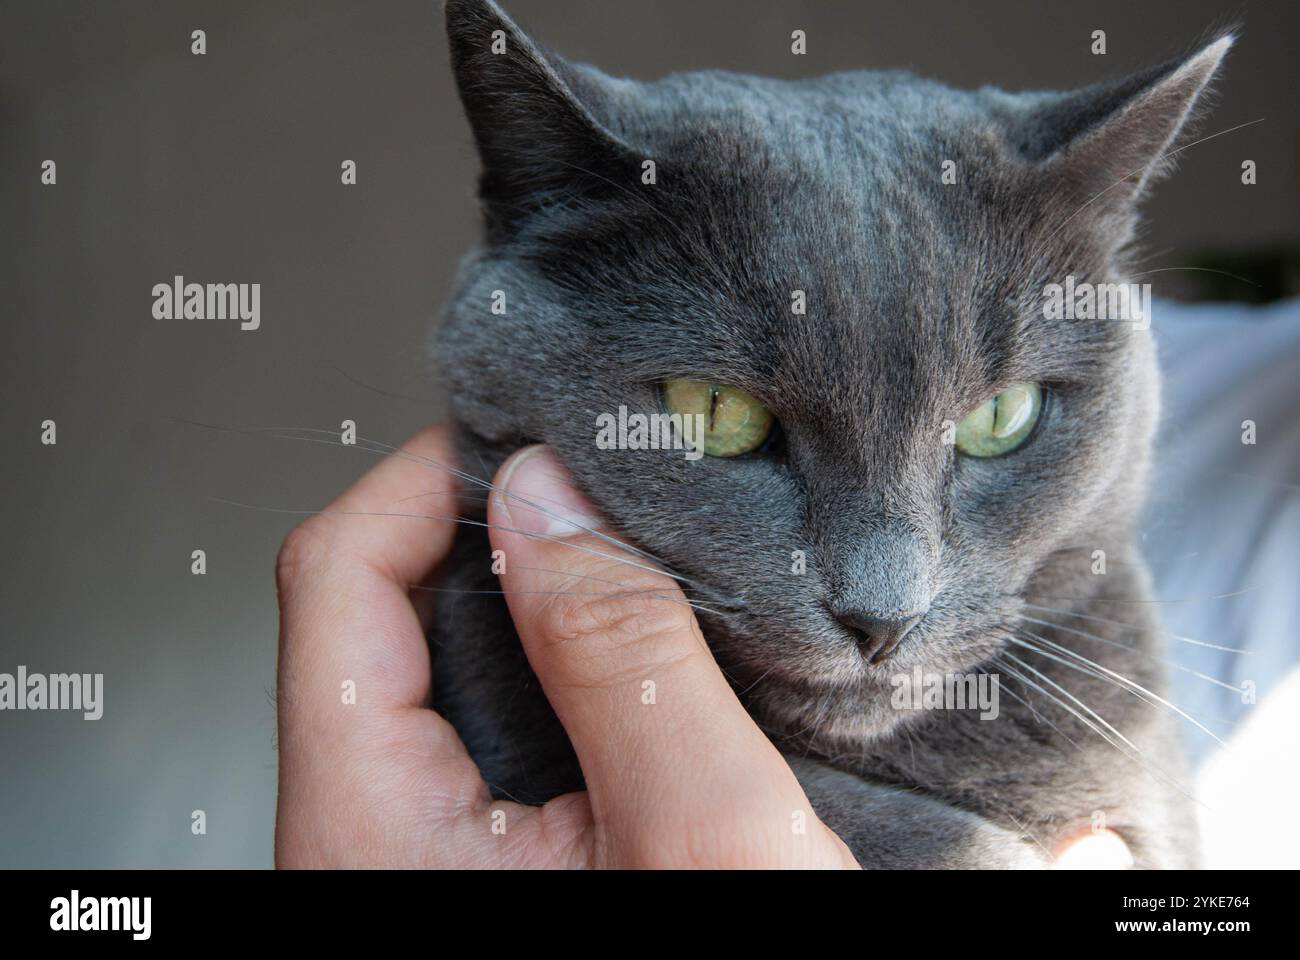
<point>878,637</point>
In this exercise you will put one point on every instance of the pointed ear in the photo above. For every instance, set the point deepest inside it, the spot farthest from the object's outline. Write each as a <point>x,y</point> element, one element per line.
<point>533,116</point>
<point>1106,144</point>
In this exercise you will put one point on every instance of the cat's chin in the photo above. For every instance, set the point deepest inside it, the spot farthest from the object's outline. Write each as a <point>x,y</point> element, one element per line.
<point>833,720</point>
<point>841,703</point>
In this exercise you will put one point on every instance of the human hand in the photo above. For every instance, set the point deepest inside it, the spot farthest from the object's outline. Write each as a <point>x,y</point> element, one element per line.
<point>687,780</point>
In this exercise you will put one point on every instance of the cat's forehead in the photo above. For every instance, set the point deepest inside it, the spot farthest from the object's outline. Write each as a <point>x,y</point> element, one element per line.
<point>848,171</point>
<point>862,127</point>
<point>822,215</point>
<point>860,224</point>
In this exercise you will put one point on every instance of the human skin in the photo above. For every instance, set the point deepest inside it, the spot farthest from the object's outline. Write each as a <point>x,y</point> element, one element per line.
<point>378,779</point>
<point>688,781</point>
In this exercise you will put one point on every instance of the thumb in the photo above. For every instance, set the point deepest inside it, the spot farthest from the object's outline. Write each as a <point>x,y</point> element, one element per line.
<point>660,735</point>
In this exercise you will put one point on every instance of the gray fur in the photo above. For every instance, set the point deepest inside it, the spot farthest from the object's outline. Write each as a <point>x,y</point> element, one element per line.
<point>924,300</point>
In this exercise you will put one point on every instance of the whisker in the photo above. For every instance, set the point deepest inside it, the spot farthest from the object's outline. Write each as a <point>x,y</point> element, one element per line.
<point>452,519</point>
<point>1087,671</point>
<point>1126,646</point>
<point>1056,686</point>
<point>761,677</point>
<point>1130,626</point>
<point>459,494</point>
<point>387,449</point>
<point>1140,758</point>
<point>380,390</point>
<point>1216,596</point>
<point>1118,676</point>
<point>1224,273</point>
<point>1063,705</point>
<point>1028,703</point>
<point>381,448</point>
<point>607,594</point>
<point>994,661</point>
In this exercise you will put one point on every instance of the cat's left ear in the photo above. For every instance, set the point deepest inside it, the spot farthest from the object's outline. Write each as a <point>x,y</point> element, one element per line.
<point>541,124</point>
<point>1105,145</point>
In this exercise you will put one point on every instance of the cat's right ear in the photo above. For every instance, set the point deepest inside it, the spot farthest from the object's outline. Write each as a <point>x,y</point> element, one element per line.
<point>1109,142</point>
<point>534,117</point>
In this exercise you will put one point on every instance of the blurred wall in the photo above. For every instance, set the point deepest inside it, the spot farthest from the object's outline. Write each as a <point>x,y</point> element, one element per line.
<point>225,167</point>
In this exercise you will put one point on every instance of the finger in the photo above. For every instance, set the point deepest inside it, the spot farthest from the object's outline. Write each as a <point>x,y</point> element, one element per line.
<point>663,741</point>
<point>399,517</point>
<point>1103,850</point>
<point>352,651</point>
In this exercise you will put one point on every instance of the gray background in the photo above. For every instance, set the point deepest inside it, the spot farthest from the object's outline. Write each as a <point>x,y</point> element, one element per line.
<point>225,168</point>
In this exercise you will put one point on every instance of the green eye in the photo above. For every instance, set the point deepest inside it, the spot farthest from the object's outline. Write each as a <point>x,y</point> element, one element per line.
<point>1002,423</point>
<point>734,422</point>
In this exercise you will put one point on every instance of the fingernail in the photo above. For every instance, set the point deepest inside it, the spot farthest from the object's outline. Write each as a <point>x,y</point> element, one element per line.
<point>538,497</point>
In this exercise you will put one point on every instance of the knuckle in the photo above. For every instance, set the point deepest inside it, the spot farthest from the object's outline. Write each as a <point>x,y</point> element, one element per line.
<point>302,550</point>
<point>609,639</point>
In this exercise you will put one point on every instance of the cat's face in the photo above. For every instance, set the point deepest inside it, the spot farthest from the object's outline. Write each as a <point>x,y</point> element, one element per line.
<point>922,299</point>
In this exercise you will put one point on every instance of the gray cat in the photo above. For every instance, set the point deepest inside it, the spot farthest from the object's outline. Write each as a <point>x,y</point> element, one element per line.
<point>945,457</point>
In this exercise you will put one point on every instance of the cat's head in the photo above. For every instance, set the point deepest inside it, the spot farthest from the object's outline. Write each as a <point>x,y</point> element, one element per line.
<point>865,256</point>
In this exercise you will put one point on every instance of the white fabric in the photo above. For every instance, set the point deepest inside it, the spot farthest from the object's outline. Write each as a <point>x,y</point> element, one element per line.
<point>1223,540</point>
